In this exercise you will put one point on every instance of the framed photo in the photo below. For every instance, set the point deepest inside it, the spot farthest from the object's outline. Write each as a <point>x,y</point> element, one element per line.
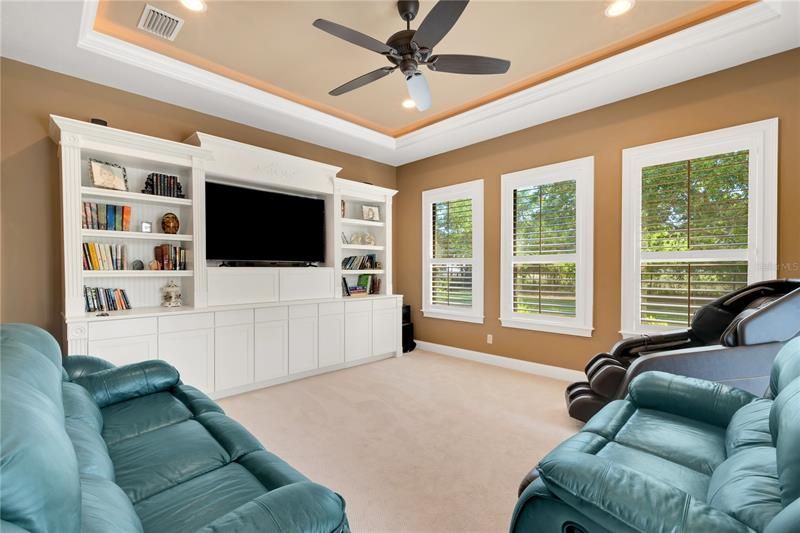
<point>371,212</point>
<point>108,175</point>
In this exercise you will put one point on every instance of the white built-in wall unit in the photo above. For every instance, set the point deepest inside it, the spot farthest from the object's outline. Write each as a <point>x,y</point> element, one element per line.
<point>452,252</point>
<point>239,328</point>
<point>699,219</point>
<point>546,257</point>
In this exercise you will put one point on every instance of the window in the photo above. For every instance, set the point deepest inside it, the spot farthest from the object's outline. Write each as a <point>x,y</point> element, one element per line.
<point>699,221</point>
<point>547,233</point>
<point>452,222</point>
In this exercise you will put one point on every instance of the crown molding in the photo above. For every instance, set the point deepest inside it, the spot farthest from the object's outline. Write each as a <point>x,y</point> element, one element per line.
<point>59,36</point>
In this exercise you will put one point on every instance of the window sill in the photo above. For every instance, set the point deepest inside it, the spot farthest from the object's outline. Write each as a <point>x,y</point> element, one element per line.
<point>443,315</point>
<point>548,327</point>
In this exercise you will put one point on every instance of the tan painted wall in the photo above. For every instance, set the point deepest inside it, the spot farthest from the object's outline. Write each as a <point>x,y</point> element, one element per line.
<point>30,213</point>
<point>755,91</point>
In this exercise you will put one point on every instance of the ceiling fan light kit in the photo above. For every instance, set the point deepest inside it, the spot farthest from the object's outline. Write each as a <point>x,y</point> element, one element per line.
<point>408,49</point>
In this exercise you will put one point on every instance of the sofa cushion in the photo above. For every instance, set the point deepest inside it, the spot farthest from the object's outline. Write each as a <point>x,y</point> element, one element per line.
<point>786,367</point>
<point>91,450</point>
<point>270,470</point>
<point>123,383</point>
<point>784,424</point>
<point>749,427</point>
<point>133,417</point>
<point>40,489</point>
<point>746,487</point>
<point>106,509</point>
<point>195,503</point>
<point>78,405</point>
<point>162,458</point>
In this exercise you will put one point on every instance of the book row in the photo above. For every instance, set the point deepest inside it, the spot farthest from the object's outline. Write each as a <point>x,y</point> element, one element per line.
<point>104,256</point>
<point>106,216</point>
<point>101,299</point>
<point>170,257</point>
<point>366,284</point>
<point>163,185</point>
<point>359,262</point>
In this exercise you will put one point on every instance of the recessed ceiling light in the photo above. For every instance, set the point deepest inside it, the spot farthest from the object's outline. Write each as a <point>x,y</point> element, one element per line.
<point>408,103</point>
<point>194,5</point>
<point>619,7</point>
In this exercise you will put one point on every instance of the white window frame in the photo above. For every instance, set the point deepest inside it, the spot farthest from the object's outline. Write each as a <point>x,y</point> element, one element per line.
<point>582,172</point>
<point>761,140</point>
<point>474,191</point>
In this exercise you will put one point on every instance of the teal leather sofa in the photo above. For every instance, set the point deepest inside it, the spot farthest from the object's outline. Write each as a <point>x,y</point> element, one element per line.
<point>88,447</point>
<point>678,454</point>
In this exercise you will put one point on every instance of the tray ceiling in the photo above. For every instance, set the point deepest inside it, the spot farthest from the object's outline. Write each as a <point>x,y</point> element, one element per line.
<point>272,46</point>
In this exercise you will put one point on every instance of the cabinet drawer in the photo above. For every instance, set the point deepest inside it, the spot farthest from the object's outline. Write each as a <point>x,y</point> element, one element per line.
<point>268,314</point>
<point>357,307</point>
<point>170,324</point>
<point>387,303</point>
<point>233,318</point>
<point>331,308</point>
<point>303,311</point>
<point>113,329</point>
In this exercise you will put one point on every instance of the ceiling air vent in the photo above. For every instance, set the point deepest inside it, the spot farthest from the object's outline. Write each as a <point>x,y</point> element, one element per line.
<point>160,23</point>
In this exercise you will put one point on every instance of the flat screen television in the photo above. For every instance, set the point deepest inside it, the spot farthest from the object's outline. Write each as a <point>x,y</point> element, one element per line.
<point>252,225</point>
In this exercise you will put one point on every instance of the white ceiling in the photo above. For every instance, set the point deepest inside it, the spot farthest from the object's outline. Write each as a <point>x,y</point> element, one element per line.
<point>59,36</point>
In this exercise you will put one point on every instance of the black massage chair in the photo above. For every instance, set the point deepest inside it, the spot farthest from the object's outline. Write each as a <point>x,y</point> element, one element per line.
<point>732,340</point>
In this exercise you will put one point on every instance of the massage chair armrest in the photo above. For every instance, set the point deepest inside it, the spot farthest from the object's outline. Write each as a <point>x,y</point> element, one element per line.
<point>619,498</point>
<point>118,384</point>
<point>78,366</point>
<point>698,399</point>
<point>303,506</point>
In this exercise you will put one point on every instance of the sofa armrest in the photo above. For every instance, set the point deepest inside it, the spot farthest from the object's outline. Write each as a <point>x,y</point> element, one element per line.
<point>303,506</point>
<point>82,365</point>
<point>698,399</point>
<point>620,499</point>
<point>122,383</point>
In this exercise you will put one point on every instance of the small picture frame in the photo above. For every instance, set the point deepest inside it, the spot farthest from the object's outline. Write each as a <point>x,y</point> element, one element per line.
<point>108,175</point>
<point>371,213</point>
<point>344,239</point>
<point>147,227</point>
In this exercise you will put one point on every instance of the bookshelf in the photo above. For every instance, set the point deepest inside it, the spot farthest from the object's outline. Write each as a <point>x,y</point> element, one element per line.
<point>352,199</point>
<point>79,142</point>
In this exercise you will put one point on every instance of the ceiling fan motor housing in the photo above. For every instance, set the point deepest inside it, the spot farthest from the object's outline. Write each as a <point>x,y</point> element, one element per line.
<point>408,9</point>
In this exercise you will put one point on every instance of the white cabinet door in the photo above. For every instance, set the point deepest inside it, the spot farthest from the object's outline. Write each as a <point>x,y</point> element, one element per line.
<point>192,353</point>
<point>233,361</point>
<point>331,340</point>
<point>357,335</point>
<point>302,344</point>
<point>125,350</point>
<point>271,349</point>
<point>384,330</point>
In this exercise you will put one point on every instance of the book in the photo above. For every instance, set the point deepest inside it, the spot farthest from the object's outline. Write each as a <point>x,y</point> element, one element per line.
<point>118,217</point>
<point>93,208</point>
<point>84,220</point>
<point>110,214</point>
<point>101,216</point>
<point>126,218</point>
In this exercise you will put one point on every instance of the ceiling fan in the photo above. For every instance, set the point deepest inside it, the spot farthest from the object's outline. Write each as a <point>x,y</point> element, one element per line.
<point>408,49</point>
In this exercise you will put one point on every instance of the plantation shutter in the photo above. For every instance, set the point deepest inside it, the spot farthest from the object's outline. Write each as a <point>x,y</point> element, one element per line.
<point>544,249</point>
<point>694,235</point>
<point>451,264</point>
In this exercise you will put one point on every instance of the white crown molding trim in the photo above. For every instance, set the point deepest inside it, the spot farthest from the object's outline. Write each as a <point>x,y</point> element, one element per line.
<point>529,367</point>
<point>60,37</point>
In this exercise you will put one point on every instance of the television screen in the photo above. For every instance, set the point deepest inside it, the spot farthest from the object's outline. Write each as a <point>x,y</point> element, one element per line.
<point>252,225</point>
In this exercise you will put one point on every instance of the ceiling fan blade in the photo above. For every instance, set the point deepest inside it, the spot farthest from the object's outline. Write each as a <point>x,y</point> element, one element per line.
<point>465,64</point>
<point>353,36</point>
<point>439,21</point>
<point>362,80</point>
<point>418,90</point>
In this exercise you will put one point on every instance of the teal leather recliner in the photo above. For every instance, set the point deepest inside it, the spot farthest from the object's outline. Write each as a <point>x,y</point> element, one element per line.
<point>88,447</point>
<point>678,454</point>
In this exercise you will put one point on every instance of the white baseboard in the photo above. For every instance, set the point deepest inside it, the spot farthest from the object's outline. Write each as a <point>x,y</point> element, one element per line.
<point>548,371</point>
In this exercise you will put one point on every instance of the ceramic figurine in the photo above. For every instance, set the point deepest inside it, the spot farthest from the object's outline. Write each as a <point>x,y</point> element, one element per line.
<point>171,295</point>
<point>170,224</point>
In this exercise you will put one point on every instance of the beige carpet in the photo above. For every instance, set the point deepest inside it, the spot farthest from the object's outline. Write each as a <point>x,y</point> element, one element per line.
<point>423,443</point>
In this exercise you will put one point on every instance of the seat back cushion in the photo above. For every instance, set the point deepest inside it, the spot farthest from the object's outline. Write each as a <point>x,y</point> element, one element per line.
<point>749,427</point>
<point>746,487</point>
<point>106,508</point>
<point>40,489</point>
<point>784,424</point>
<point>786,367</point>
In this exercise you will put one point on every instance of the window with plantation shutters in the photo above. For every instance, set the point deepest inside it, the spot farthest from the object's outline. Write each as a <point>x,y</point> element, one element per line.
<point>546,259</point>
<point>698,222</point>
<point>453,257</point>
